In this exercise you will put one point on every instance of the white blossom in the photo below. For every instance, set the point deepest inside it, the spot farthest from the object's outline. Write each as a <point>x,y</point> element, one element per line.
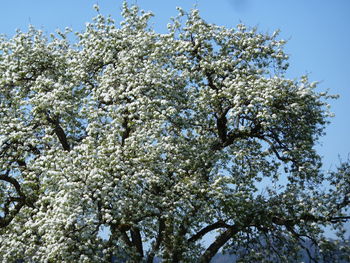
<point>161,139</point>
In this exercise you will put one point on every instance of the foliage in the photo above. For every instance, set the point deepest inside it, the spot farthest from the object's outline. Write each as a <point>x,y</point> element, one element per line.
<point>160,139</point>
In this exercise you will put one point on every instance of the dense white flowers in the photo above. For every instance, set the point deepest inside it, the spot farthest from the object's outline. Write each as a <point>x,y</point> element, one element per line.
<point>161,139</point>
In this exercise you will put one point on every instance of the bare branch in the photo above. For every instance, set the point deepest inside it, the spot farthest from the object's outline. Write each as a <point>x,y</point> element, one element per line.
<point>218,243</point>
<point>58,130</point>
<point>207,229</point>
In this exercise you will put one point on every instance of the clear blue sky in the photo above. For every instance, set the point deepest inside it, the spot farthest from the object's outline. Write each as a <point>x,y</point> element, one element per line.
<point>318,32</point>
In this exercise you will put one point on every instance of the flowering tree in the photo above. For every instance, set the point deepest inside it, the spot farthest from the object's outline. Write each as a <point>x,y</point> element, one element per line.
<point>156,140</point>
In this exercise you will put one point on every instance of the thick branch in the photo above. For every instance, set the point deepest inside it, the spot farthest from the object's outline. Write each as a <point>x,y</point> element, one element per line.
<point>158,241</point>
<point>217,244</point>
<point>126,239</point>
<point>221,125</point>
<point>12,181</point>
<point>339,219</point>
<point>8,216</point>
<point>127,130</point>
<point>235,135</point>
<point>207,229</point>
<point>290,223</point>
<point>61,135</point>
<point>137,240</point>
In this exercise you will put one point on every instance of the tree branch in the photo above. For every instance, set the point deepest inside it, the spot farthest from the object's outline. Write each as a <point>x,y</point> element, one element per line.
<point>137,240</point>
<point>159,239</point>
<point>127,129</point>
<point>207,229</point>
<point>218,243</point>
<point>61,135</point>
<point>8,216</point>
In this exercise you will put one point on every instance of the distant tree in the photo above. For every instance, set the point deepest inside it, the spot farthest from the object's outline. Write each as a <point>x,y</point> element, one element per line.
<point>160,139</point>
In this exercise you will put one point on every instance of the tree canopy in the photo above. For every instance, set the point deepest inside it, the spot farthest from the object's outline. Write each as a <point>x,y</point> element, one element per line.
<point>158,140</point>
